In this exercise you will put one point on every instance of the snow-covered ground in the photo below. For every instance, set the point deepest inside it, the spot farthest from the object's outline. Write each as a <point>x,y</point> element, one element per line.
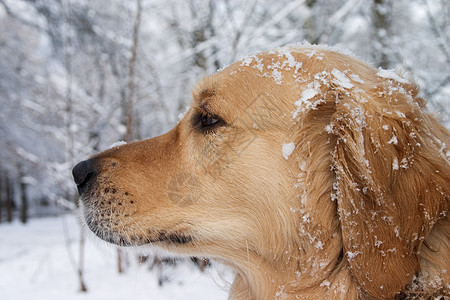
<point>35,264</point>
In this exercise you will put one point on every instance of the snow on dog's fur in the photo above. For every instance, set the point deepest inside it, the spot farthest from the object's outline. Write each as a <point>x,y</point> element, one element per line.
<point>310,173</point>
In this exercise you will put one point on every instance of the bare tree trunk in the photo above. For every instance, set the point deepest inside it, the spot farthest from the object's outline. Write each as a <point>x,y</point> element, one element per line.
<point>119,261</point>
<point>204,31</point>
<point>2,195</point>
<point>68,58</point>
<point>129,135</point>
<point>382,21</point>
<point>9,199</point>
<point>83,287</point>
<point>78,265</point>
<point>23,197</point>
<point>310,24</point>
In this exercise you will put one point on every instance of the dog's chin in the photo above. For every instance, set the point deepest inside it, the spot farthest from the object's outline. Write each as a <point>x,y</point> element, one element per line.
<point>116,231</point>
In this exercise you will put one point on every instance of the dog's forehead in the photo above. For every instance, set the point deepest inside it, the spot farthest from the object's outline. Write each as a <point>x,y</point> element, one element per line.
<point>223,94</point>
<point>238,85</point>
<point>205,91</point>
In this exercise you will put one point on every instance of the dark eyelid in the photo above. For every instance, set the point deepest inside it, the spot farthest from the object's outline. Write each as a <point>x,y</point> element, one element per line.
<point>206,109</point>
<point>201,111</point>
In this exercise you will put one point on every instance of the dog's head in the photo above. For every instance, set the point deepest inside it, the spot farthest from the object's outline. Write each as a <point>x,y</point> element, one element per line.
<point>291,165</point>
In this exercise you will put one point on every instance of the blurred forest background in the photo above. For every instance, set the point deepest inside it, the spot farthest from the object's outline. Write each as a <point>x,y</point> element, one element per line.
<point>78,75</point>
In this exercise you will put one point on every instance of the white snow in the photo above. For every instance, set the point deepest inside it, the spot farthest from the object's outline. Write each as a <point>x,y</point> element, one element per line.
<point>35,264</point>
<point>287,149</point>
<point>400,114</point>
<point>302,46</point>
<point>404,163</point>
<point>393,140</point>
<point>117,144</point>
<point>390,74</point>
<point>277,76</point>
<point>307,94</point>
<point>325,283</point>
<point>311,53</point>
<point>329,128</point>
<point>352,255</point>
<point>246,61</point>
<point>319,245</point>
<point>395,164</point>
<point>397,231</point>
<point>291,61</point>
<point>259,65</point>
<point>341,79</point>
<point>182,114</point>
<point>356,78</point>
<point>377,242</point>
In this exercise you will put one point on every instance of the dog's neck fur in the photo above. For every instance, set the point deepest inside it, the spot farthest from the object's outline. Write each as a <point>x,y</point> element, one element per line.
<point>326,274</point>
<point>317,275</point>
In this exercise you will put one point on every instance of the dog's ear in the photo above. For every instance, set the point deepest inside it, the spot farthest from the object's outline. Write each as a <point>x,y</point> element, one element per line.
<point>392,182</point>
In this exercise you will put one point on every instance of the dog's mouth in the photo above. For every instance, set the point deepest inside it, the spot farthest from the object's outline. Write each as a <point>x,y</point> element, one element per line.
<point>116,230</point>
<point>163,237</point>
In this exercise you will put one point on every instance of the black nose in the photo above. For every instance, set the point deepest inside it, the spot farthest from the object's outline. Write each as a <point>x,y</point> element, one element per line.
<point>83,173</point>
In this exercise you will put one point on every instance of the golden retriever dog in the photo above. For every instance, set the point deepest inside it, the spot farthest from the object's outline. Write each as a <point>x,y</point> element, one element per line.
<point>307,171</point>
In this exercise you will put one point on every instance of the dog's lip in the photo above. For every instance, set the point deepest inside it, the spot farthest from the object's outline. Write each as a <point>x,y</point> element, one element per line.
<point>102,229</point>
<point>160,237</point>
<point>173,238</point>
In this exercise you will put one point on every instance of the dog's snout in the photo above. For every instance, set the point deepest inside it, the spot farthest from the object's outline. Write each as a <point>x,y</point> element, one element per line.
<point>83,173</point>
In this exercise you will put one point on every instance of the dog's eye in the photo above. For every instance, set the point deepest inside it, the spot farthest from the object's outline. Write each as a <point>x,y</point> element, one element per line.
<point>208,120</point>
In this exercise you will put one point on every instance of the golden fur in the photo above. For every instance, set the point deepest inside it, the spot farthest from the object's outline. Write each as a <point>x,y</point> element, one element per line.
<point>358,210</point>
